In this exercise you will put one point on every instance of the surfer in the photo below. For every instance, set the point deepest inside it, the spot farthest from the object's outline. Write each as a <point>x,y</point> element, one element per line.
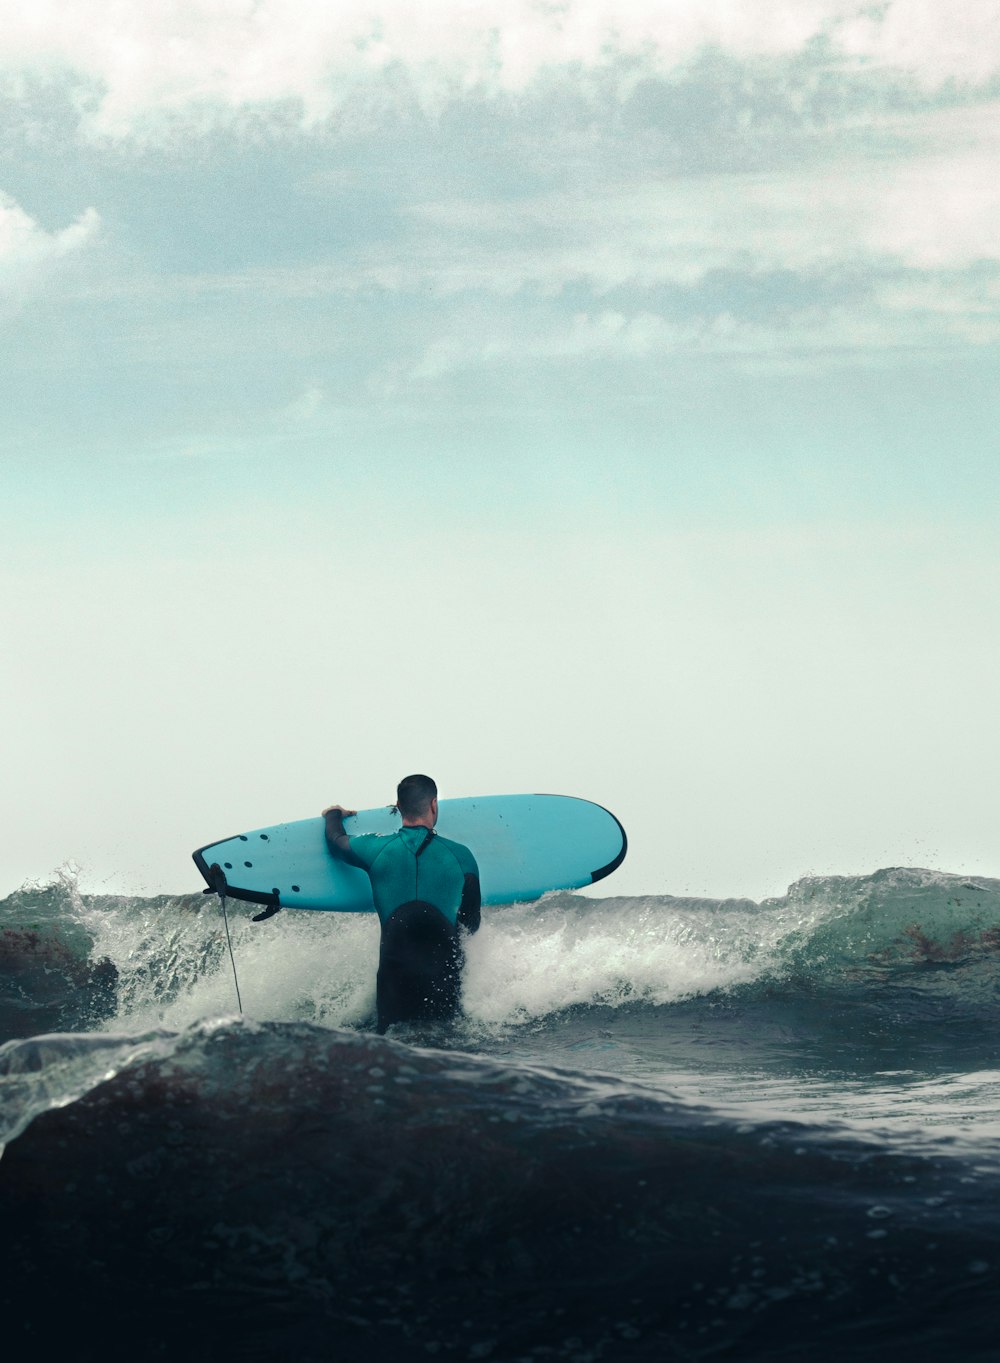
<point>426,889</point>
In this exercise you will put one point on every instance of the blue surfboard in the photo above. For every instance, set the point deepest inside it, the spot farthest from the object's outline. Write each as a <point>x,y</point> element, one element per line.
<point>524,845</point>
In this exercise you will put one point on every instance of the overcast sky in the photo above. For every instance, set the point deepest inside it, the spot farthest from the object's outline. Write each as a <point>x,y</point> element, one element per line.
<point>582,397</point>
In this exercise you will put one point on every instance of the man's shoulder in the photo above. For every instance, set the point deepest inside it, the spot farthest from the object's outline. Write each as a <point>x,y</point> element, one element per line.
<point>369,845</point>
<point>462,854</point>
<point>371,838</point>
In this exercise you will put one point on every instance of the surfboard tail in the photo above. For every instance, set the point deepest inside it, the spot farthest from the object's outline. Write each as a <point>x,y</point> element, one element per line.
<point>215,878</point>
<point>612,865</point>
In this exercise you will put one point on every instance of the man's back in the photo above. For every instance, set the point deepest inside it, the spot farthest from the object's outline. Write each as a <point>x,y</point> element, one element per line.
<point>416,865</point>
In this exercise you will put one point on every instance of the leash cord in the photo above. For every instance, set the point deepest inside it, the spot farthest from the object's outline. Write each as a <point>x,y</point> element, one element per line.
<point>225,919</point>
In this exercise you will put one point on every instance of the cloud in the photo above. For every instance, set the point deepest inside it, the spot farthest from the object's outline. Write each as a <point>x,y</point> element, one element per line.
<point>133,64</point>
<point>858,254</point>
<point>940,211</point>
<point>933,42</point>
<point>26,248</point>
<point>600,335</point>
<point>665,221</point>
<point>908,314</point>
<point>923,211</point>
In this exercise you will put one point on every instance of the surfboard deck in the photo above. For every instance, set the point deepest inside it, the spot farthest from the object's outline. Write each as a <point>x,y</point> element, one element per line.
<point>524,845</point>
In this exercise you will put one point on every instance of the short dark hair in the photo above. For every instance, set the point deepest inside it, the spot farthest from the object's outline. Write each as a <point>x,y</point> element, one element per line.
<point>414,795</point>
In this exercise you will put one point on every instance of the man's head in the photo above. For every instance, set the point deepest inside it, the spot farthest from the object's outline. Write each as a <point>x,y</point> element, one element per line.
<point>416,800</point>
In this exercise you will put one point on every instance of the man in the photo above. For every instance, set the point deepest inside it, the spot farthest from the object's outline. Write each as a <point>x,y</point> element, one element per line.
<point>426,889</point>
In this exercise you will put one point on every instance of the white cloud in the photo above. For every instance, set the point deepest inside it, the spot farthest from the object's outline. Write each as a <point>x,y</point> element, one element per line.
<point>911,314</point>
<point>597,335</point>
<point>204,56</point>
<point>25,247</point>
<point>940,211</point>
<point>934,42</point>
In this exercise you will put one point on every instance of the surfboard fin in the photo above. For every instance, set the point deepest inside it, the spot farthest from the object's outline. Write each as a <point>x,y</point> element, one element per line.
<point>269,912</point>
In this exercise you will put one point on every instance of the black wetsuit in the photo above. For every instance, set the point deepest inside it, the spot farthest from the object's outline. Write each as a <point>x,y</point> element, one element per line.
<point>426,889</point>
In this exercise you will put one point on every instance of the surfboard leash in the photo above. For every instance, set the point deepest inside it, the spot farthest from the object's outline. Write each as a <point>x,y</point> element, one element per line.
<point>219,887</point>
<point>229,943</point>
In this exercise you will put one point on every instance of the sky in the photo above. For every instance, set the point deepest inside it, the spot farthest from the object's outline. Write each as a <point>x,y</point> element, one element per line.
<point>550,395</point>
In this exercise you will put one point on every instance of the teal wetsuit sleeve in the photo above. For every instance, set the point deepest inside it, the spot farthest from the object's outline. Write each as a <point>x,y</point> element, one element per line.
<point>360,851</point>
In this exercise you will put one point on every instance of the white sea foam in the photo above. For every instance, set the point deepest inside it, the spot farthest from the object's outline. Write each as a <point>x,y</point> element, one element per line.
<point>530,961</point>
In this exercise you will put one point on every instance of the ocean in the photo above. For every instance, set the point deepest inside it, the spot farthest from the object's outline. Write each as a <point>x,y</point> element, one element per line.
<point>664,1129</point>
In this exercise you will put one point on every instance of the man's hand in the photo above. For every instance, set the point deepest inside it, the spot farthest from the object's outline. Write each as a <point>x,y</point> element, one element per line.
<point>339,809</point>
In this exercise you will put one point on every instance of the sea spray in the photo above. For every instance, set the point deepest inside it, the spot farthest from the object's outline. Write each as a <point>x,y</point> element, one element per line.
<point>140,963</point>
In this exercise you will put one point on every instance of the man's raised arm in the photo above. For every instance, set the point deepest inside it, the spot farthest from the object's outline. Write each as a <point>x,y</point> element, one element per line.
<point>336,839</point>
